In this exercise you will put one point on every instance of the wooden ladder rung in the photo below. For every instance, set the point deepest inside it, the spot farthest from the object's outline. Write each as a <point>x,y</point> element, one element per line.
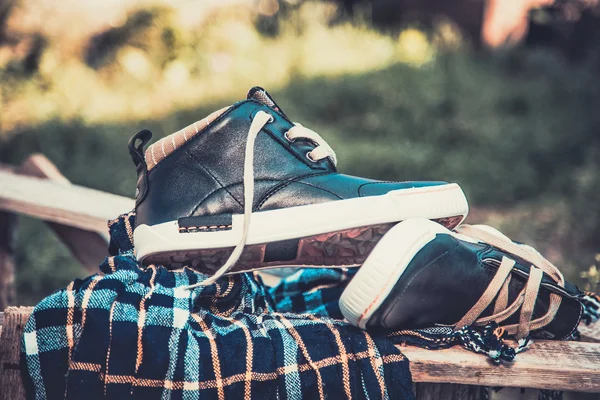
<point>65,204</point>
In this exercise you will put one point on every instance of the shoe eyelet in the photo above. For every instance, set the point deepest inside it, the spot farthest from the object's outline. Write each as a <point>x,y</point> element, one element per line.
<point>287,137</point>
<point>255,112</point>
<point>310,157</point>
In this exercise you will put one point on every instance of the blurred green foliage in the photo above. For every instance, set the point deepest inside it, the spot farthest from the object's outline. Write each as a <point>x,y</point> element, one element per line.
<point>592,276</point>
<point>517,129</point>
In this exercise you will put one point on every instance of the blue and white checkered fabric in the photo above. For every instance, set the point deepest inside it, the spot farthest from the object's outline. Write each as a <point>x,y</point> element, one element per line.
<point>132,332</point>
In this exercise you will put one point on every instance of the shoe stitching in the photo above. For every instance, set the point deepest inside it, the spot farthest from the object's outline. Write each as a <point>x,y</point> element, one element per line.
<point>202,228</point>
<point>303,183</point>
<point>286,183</point>
<point>577,324</point>
<point>240,183</point>
<point>199,134</point>
<point>225,188</point>
<point>216,180</point>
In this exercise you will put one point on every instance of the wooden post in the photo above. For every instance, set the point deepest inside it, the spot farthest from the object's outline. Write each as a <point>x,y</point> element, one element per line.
<point>11,386</point>
<point>7,265</point>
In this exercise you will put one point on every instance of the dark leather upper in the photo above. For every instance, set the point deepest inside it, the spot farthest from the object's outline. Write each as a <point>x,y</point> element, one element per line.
<point>448,276</point>
<point>205,175</point>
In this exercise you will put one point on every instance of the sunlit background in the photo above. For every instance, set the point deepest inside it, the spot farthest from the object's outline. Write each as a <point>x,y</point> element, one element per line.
<point>502,97</point>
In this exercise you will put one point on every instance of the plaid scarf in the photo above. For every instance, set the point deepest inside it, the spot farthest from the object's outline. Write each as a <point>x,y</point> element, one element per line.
<point>132,332</point>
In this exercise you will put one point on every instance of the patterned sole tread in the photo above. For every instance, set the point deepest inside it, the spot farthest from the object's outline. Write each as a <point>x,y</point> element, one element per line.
<point>334,249</point>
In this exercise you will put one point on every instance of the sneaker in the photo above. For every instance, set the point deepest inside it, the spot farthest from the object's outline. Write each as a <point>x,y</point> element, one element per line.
<point>199,188</point>
<point>422,275</point>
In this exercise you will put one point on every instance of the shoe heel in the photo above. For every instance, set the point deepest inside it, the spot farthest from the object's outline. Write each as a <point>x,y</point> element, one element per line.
<point>384,266</point>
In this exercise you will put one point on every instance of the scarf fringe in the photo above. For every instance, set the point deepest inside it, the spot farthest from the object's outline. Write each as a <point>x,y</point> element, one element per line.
<point>488,340</point>
<point>591,307</point>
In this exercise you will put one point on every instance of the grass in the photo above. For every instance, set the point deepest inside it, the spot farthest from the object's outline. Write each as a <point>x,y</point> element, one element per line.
<point>516,129</point>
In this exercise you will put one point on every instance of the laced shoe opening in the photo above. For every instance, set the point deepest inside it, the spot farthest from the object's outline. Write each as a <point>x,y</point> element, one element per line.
<point>498,287</point>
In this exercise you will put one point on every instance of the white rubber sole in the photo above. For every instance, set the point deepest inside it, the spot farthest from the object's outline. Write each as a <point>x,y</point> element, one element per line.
<point>383,268</point>
<point>435,202</point>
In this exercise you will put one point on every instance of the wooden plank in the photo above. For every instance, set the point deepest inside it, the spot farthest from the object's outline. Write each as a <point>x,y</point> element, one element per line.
<point>590,333</point>
<point>7,262</point>
<point>449,391</point>
<point>572,366</point>
<point>40,166</point>
<point>90,248</point>
<point>10,375</point>
<point>71,205</point>
<point>569,366</point>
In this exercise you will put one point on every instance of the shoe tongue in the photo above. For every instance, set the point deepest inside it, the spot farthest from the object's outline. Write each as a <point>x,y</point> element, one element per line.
<point>262,96</point>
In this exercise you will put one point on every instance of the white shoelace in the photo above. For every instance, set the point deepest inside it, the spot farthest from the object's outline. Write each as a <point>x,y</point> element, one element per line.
<point>323,150</point>
<point>499,286</point>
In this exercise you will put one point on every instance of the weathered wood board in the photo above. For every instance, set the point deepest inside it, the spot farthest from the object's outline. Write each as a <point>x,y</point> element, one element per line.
<point>568,366</point>
<point>571,366</point>
<point>71,205</point>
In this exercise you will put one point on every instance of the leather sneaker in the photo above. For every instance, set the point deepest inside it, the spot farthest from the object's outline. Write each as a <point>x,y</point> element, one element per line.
<point>199,188</point>
<point>422,275</point>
